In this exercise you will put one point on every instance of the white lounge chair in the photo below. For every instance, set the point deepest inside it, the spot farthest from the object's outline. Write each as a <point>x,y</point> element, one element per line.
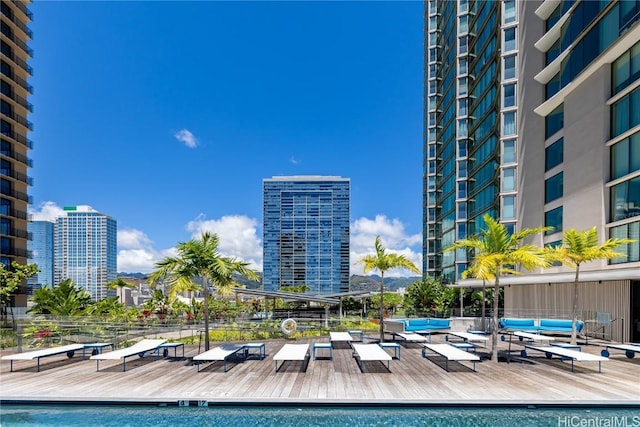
<point>630,350</point>
<point>450,352</point>
<point>292,352</point>
<point>567,354</point>
<point>411,337</point>
<point>340,337</point>
<point>45,352</point>
<point>469,340</point>
<point>220,353</point>
<point>139,349</point>
<point>370,352</point>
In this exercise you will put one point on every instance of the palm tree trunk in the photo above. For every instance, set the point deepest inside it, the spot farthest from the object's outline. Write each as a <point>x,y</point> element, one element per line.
<point>494,326</point>
<point>381,306</point>
<point>574,323</point>
<point>205,311</point>
<point>483,306</point>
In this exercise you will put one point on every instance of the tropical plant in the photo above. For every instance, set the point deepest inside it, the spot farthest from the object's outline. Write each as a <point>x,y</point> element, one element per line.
<point>577,248</point>
<point>497,252</point>
<point>384,261</point>
<point>428,295</point>
<point>66,299</point>
<point>107,307</point>
<point>11,279</point>
<point>200,259</point>
<point>391,301</point>
<point>119,285</point>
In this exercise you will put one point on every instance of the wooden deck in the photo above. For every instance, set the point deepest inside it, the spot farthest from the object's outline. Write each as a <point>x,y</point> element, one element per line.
<point>412,380</point>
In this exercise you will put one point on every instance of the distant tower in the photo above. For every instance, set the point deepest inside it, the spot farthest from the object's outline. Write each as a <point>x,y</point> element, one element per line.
<point>306,233</point>
<point>86,250</point>
<point>41,253</point>
<point>15,35</point>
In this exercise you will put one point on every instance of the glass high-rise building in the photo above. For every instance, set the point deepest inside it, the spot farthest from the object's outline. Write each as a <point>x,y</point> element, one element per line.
<point>532,115</point>
<point>306,233</point>
<point>14,128</point>
<point>41,253</point>
<point>85,250</point>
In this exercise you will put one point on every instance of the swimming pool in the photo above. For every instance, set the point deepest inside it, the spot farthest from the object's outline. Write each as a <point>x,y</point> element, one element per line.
<point>142,416</point>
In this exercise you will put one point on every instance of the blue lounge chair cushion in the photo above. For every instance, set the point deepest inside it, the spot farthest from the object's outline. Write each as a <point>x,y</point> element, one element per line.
<point>518,324</point>
<point>559,325</point>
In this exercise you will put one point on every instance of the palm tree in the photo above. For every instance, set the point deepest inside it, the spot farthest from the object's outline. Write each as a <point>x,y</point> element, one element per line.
<point>200,258</point>
<point>120,284</point>
<point>577,248</point>
<point>496,253</point>
<point>383,261</point>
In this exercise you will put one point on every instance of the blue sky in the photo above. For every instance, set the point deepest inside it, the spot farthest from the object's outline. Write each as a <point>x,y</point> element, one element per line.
<point>168,115</point>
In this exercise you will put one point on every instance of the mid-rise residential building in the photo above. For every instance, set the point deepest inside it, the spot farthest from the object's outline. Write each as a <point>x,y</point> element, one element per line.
<point>40,253</point>
<point>532,116</point>
<point>14,128</point>
<point>85,250</point>
<point>306,233</point>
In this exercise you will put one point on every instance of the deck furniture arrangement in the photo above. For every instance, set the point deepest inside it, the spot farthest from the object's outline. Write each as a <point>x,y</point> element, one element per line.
<point>410,337</point>
<point>630,350</point>
<point>138,349</point>
<point>292,353</point>
<point>221,353</point>
<point>450,352</point>
<point>357,335</point>
<point>340,337</point>
<point>370,352</point>
<point>567,354</point>
<point>69,350</point>
<point>322,346</point>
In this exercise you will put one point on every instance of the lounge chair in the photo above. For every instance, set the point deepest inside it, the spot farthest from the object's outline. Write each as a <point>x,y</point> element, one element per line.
<point>340,337</point>
<point>45,352</point>
<point>469,340</point>
<point>222,353</point>
<point>630,350</point>
<point>567,354</point>
<point>411,337</point>
<point>292,352</point>
<point>370,352</point>
<point>450,352</point>
<point>139,349</point>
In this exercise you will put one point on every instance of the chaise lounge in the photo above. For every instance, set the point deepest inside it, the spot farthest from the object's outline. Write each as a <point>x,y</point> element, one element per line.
<point>630,350</point>
<point>139,349</point>
<point>449,352</point>
<point>370,352</point>
<point>293,352</point>
<point>45,352</point>
<point>221,353</point>
<point>567,354</point>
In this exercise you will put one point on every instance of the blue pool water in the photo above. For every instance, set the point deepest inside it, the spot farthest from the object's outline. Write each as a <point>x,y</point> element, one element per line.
<point>142,416</point>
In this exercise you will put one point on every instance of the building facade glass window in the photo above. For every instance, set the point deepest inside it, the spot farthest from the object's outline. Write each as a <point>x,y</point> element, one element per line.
<point>508,151</point>
<point>626,69</point>
<point>508,207</point>
<point>631,250</point>
<point>554,121</point>
<point>625,113</point>
<point>510,69</point>
<point>553,218</point>
<point>553,188</point>
<point>508,179</point>
<point>625,200</point>
<point>554,154</point>
<point>625,156</point>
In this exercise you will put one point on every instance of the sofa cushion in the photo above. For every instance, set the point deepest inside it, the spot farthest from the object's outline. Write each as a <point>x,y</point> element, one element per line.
<point>559,325</point>
<point>525,324</point>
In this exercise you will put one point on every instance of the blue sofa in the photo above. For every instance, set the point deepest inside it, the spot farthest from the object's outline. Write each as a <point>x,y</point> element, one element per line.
<point>430,324</point>
<point>416,325</point>
<point>559,325</point>
<point>543,325</point>
<point>518,325</point>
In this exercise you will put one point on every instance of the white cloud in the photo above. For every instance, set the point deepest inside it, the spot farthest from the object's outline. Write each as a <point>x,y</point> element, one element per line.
<point>393,237</point>
<point>47,211</point>
<point>238,236</point>
<point>136,252</point>
<point>293,160</point>
<point>187,138</point>
<point>131,238</point>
